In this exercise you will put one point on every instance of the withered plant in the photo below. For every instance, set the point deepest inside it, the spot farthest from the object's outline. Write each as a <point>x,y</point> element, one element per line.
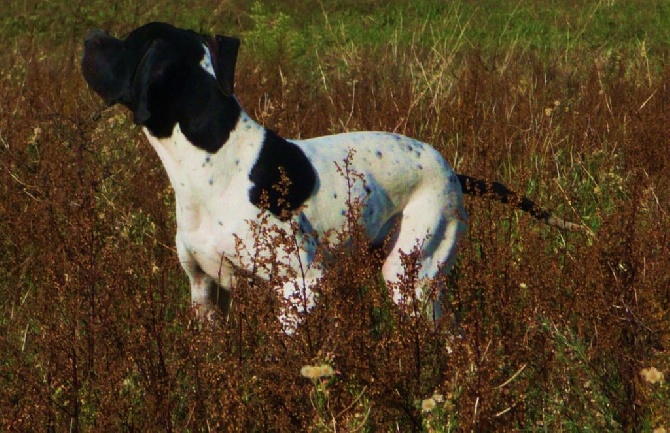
<point>543,330</point>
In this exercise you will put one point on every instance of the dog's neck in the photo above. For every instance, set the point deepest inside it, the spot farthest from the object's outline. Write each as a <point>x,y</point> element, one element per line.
<point>192,168</point>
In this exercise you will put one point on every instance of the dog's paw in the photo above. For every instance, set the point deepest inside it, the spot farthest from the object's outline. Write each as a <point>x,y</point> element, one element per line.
<point>208,313</point>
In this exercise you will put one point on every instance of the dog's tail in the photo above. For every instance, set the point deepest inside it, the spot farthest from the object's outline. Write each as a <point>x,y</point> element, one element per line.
<point>501,193</point>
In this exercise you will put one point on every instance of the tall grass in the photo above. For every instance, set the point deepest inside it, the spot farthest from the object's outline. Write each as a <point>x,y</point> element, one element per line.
<point>566,102</point>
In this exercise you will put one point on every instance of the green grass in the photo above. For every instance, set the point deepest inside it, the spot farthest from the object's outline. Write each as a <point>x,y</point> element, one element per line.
<point>556,30</point>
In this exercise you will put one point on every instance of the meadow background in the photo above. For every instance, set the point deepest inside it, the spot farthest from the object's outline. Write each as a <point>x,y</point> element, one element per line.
<point>565,101</point>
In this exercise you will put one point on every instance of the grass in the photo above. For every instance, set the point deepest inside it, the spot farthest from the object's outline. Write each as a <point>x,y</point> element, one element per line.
<point>565,101</point>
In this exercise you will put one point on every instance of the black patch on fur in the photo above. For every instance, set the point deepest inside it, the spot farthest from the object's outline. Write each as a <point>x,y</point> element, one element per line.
<point>207,117</point>
<point>278,154</point>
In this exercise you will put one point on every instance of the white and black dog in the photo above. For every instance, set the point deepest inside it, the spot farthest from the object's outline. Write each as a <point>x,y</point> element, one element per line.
<point>224,167</point>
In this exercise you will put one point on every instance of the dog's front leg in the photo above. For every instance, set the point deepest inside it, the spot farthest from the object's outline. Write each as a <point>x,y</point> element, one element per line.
<point>210,300</point>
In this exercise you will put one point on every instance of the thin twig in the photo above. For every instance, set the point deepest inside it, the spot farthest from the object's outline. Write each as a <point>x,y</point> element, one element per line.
<point>514,376</point>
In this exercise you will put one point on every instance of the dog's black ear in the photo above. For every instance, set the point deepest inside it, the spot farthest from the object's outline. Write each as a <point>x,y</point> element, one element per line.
<point>223,50</point>
<point>152,69</point>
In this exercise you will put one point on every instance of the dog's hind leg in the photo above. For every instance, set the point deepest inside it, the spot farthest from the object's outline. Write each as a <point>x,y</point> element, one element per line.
<point>431,232</point>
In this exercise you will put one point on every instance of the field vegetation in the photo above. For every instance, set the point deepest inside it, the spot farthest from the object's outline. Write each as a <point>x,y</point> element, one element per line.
<point>567,102</point>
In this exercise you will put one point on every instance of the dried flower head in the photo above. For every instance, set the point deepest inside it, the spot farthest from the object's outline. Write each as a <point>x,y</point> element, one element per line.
<point>325,370</point>
<point>652,375</point>
<point>315,372</point>
<point>428,404</point>
<point>308,372</point>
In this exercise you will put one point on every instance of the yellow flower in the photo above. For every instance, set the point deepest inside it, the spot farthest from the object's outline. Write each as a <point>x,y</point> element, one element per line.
<point>652,375</point>
<point>428,404</point>
<point>660,430</point>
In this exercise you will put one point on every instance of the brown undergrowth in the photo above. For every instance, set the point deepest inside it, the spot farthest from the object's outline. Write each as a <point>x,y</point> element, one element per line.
<point>554,328</point>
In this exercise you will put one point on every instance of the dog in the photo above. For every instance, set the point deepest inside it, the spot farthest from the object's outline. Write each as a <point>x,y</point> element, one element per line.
<point>225,170</point>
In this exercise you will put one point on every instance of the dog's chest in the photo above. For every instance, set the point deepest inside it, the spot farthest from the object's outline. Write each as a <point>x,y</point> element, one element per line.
<point>211,190</point>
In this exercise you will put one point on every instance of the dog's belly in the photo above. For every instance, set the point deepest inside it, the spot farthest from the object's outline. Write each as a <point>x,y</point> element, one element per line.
<point>222,245</point>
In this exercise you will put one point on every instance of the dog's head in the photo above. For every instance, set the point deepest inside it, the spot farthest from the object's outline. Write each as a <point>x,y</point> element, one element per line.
<point>161,72</point>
